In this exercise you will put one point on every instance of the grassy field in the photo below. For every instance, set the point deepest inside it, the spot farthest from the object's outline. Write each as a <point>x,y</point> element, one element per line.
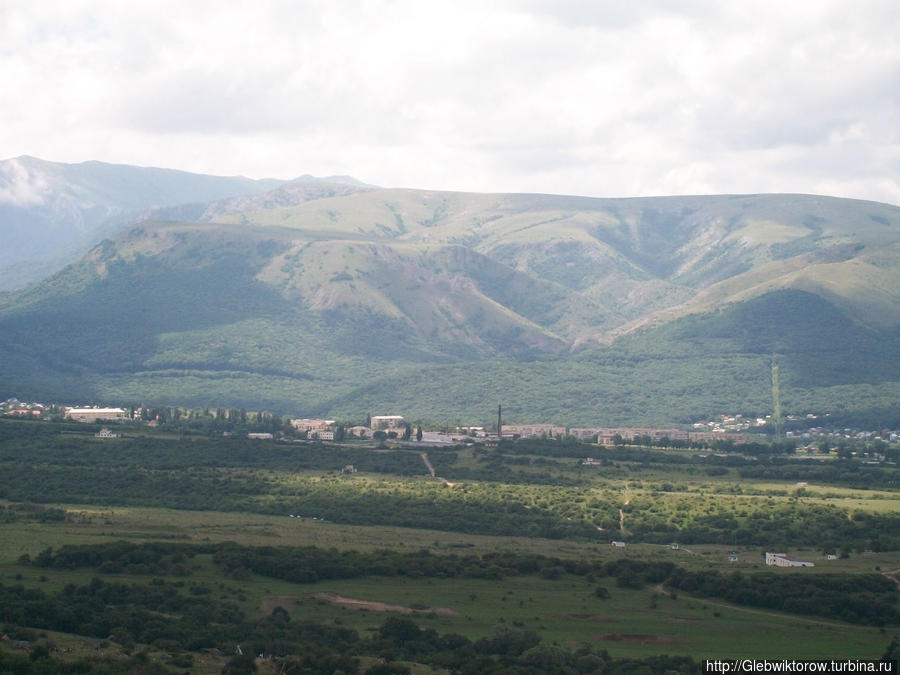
<point>565,611</point>
<point>93,524</point>
<point>244,492</point>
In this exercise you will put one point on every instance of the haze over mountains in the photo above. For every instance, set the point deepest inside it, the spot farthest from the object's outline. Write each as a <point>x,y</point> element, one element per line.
<point>52,213</point>
<point>334,297</point>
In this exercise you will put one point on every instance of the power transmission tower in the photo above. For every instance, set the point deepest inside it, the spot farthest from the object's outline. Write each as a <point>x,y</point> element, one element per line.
<point>776,399</point>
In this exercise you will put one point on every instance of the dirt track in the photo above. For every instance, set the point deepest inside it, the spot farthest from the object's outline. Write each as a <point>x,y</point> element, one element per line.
<point>381,606</point>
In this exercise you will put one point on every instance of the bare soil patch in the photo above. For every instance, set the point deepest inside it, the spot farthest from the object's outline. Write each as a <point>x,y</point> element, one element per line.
<point>373,606</point>
<point>642,639</point>
<point>594,617</point>
<point>267,604</point>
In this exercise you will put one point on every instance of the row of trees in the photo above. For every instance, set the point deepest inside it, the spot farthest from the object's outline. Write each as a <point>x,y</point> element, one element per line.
<point>866,599</point>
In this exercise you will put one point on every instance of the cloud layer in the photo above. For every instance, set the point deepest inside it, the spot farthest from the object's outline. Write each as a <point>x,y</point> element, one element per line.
<point>580,97</point>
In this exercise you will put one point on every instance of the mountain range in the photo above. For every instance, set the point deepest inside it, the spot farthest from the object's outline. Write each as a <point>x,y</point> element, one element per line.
<point>333,297</point>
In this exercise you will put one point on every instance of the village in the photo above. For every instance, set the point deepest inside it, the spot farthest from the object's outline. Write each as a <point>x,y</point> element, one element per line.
<point>734,429</point>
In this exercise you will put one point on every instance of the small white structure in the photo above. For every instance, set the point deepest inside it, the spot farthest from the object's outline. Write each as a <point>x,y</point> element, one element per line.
<point>617,544</point>
<point>106,433</point>
<point>784,560</point>
<point>260,436</point>
<point>831,556</point>
<point>674,546</point>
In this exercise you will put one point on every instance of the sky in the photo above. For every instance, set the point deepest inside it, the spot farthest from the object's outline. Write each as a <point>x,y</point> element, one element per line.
<point>599,98</point>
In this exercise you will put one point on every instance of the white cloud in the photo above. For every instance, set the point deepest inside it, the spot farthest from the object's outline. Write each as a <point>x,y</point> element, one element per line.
<point>21,187</point>
<point>532,95</point>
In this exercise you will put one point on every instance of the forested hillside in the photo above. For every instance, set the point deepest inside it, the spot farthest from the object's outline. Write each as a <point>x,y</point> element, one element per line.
<point>339,299</point>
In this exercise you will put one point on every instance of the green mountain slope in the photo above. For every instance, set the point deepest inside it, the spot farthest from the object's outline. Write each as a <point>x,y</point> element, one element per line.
<point>625,259</point>
<point>438,305</point>
<point>690,369</point>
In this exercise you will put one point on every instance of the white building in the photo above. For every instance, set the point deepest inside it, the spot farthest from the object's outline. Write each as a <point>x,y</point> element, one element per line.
<point>784,560</point>
<point>95,414</point>
<point>437,438</point>
<point>312,425</point>
<point>386,421</point>
<point>534,430</point>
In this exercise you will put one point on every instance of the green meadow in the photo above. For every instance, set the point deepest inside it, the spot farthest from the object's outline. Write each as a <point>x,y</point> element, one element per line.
<point>529,525</point>
<point>564,611</point>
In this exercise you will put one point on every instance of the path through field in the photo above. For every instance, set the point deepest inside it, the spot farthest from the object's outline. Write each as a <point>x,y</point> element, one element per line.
<point>622,517</point>
<point>737,608</point>
<point>428,464</point>
<point>893,575</point>
<point>353,603</point>
<point>431,470</point>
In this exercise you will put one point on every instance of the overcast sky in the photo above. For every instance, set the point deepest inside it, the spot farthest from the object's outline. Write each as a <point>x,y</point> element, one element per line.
<point>617,98</point>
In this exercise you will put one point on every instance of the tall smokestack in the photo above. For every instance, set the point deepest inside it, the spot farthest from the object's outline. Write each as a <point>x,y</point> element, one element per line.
<point>499,422</point>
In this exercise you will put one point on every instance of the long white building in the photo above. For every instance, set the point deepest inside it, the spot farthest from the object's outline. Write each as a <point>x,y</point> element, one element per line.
<point>784,560</point>
<point>386,421</point>
<point>534,430</point>
<point>97,414</point>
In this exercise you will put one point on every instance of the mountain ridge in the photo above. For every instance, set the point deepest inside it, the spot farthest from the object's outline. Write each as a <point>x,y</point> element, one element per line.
<point>53,212</point>
<point>318,297</point>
